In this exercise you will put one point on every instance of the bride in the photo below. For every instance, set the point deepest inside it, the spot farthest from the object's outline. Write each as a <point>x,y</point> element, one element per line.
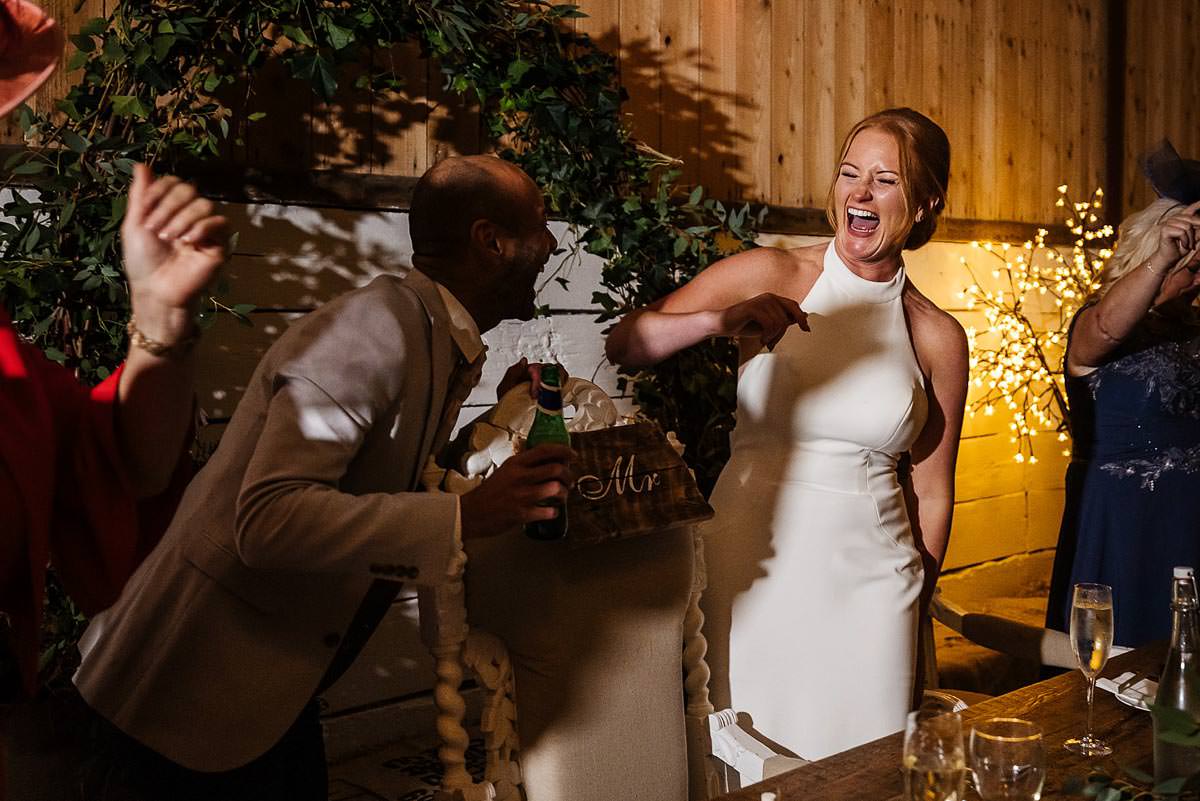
<point>833,512</point>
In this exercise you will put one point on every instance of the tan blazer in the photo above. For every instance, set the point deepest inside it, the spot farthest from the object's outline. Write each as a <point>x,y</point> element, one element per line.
<point>222,635</point>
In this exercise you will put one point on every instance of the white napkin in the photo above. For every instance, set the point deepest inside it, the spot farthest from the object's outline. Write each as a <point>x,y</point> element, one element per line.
<point>1131,689</point>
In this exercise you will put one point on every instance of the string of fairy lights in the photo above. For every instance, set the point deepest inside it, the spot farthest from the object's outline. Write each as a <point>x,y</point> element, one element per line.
<point>1016,361</point>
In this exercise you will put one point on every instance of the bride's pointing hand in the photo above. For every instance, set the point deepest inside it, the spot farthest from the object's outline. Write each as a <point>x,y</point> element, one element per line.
<point>766,316</point>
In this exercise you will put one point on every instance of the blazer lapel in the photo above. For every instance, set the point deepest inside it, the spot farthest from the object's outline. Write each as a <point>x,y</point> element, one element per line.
<point>441,359</point>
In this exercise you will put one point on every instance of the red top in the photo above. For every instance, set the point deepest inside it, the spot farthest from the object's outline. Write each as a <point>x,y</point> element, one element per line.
<point>64,497</point>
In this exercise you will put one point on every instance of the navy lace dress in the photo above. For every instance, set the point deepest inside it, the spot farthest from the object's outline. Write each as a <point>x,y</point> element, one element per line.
<point>1133,488</point>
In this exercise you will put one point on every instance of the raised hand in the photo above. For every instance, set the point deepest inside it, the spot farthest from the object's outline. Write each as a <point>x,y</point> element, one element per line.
<point>509,497</point>
<point>766,316</point>
<point>173,245</point>
<point>1178,242</point>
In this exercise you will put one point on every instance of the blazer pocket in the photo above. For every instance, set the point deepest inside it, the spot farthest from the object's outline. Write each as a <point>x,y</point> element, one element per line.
<point>228,572</point>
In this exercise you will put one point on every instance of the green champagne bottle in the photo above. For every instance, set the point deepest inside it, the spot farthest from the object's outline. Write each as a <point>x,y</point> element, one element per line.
<point>548,427</point>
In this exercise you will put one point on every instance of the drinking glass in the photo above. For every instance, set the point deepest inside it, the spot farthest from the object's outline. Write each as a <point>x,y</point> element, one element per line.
<point>1008,760</point>
<point>934,766</point>
<point>1091,637</point>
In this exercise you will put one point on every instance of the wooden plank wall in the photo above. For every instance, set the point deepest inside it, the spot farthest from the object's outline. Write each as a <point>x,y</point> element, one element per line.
<point>758,109</point>
<point>1161,95</point>
<point>755,95</point>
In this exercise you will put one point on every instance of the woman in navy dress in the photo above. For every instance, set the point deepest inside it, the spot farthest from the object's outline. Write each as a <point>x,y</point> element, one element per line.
<point>1133,385</point>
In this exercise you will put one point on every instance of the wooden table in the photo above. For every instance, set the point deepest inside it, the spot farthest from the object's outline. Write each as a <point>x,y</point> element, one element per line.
<point>871,772</point>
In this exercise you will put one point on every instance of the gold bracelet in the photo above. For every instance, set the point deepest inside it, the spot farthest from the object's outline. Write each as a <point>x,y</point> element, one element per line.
<point>155,348</point>
<point>1154,271</point>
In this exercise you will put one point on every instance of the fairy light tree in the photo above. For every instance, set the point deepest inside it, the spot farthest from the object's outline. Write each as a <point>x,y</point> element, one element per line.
<point>1016,362</point>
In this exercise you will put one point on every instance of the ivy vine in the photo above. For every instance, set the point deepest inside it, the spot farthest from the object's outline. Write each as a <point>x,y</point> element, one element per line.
<point>170,84</point>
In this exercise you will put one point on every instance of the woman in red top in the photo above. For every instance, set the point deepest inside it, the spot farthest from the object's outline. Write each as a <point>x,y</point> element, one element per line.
<point>75,461</point>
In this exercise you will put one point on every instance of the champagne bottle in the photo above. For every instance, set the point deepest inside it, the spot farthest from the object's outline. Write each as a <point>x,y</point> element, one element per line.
<point>1179,685</point>
<point>548,427</point>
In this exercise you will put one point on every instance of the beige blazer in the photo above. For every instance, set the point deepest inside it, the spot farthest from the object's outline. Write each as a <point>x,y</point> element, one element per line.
<point>222,635</point>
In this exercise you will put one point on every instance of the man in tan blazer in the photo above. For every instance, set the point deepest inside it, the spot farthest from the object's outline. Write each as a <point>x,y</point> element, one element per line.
<point>290,542</point>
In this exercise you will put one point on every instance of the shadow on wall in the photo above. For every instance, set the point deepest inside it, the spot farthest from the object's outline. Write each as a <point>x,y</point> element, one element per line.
<point>400,133</point>
<point>675,108</point>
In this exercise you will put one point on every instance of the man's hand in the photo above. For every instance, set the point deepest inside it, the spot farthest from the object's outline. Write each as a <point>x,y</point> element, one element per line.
<point>766,316</point>
<point>509,497</point>
<point>173,245</point>
<point>524,371</point>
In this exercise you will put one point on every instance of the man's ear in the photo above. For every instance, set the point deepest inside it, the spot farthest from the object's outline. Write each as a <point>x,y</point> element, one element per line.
<point>485,237</point>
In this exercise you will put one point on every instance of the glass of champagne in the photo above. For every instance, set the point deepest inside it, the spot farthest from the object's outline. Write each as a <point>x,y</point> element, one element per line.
<point>1008,760</point>
<point>934,765</point>
<point>1091,637</point>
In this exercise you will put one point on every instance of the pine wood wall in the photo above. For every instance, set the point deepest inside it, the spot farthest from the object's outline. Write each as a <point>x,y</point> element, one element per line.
<point>755,95</point>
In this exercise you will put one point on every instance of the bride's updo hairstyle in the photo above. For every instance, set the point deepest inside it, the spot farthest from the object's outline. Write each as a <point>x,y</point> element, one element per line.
<point>924,167</point>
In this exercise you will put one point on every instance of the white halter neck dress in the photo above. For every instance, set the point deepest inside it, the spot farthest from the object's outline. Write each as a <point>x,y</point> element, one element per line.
<point>813,578</point>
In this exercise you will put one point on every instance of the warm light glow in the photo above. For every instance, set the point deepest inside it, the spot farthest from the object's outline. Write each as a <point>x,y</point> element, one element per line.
<point>1016,360</point>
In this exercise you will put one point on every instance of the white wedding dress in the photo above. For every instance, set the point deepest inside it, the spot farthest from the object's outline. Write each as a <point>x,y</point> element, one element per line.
<point>813,577</point>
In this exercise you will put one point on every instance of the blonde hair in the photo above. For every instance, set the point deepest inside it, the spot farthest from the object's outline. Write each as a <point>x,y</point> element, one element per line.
<point>924,168</point>
<point>1136,241</point>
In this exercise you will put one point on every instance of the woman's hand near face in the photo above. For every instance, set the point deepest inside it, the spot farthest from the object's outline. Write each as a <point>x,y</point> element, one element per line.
<point>1178,240</point>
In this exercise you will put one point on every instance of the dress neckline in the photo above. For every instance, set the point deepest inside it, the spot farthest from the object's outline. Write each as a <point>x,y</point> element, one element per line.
<point>858,287</point>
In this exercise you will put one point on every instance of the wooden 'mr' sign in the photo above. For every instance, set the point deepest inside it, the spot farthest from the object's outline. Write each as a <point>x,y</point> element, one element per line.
<point>628,481</point>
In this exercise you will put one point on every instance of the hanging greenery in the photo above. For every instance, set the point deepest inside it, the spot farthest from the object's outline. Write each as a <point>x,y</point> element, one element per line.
<point>171,83</point>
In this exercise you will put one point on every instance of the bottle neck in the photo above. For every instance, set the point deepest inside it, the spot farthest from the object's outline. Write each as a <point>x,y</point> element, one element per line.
<point>549,399</point>
<point>1184,635</point>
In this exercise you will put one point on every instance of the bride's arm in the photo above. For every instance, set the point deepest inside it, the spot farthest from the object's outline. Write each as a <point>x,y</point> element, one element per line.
<point>930,491</point>
<point>727,299</point>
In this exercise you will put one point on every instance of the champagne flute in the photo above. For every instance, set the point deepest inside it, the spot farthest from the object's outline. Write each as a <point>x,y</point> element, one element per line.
<point>1091,638</point>
<point>1008,760</point>
<point>934,765</point>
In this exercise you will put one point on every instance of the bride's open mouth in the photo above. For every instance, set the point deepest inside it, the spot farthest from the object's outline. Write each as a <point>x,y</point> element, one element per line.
<point>861,221</point>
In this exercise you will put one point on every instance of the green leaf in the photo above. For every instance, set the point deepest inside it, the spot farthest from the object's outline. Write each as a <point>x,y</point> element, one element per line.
<point>55,355</point>
<point>130,106</point>
<point>77,60</point>
<point>113,51</point>
<point>29,168</point>
<point>67,212</point>
<point>165,27</point>
<point>317,70</point>
<point>68,107</point>
<point>25,117</point>
<point>255,116</point>
<point>296,35</point>
<point>681,244</point>
<point>82,42</point>
<point>212,81</point>
<point>339,37</point>
<point>694,197</point>
<point>162,45</point>
<point>517,70</point>
<point>74,141</point>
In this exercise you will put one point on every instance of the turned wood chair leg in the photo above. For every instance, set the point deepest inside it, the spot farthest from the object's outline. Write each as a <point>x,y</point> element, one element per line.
<point>444,631</point>
<point>705,780</point>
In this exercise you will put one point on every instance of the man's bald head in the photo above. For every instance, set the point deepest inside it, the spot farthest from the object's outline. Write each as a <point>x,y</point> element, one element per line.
<point>458,191</point>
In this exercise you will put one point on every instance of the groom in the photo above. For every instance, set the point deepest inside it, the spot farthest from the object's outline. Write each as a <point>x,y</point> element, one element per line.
<point>292,541</point>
